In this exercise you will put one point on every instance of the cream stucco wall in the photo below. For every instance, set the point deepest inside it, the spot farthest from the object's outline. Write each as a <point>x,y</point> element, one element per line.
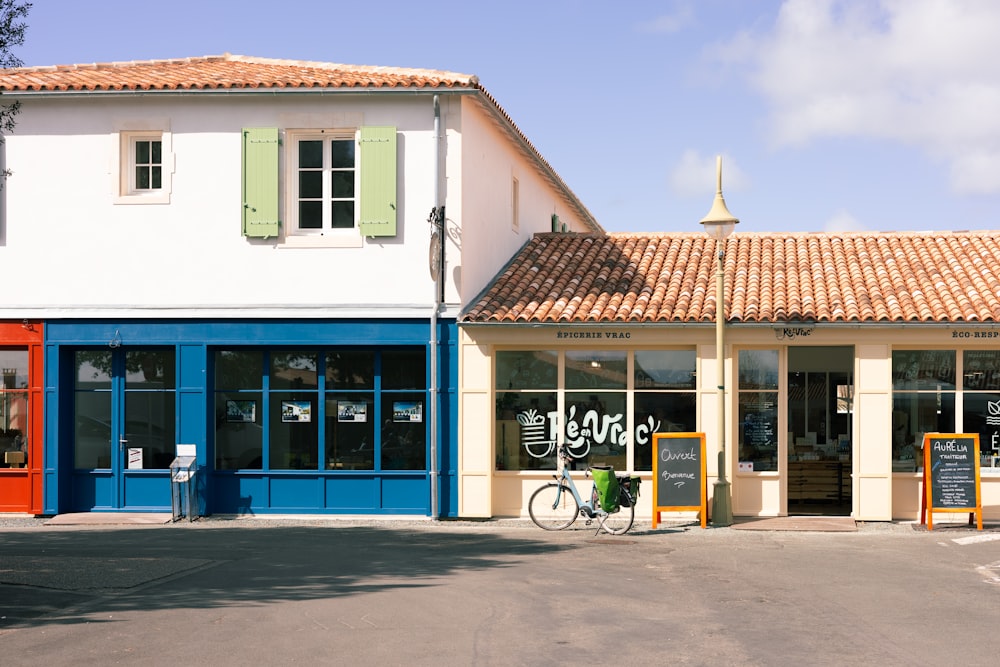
<point>878,493</point>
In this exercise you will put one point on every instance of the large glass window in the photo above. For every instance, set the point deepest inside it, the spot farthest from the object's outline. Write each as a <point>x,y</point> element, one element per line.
<point>981,402</point>
<point>596,388</point>
<point>758,408</point>
<point>318,409</point>
<point>923,401</point>
<point>14,408</point>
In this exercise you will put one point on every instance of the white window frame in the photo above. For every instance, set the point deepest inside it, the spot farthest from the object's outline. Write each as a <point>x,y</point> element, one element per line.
<point>347,237</point>
<point>125,190</point>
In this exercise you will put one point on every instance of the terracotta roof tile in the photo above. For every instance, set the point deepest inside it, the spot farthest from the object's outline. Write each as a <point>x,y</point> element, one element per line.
<point>938,277</point>
<point>222,72</point>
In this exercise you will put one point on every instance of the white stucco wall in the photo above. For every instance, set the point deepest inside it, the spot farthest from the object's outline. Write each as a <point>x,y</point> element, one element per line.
<point>490,163</point>
<point>88,256</point>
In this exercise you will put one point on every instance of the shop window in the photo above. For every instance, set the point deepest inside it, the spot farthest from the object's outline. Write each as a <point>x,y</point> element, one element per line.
<point>981,402</point>
<point>318,410</point>
<point>14,408</point>
<point>923,401</point>
<point>758,409</point>
<point>594,387</point>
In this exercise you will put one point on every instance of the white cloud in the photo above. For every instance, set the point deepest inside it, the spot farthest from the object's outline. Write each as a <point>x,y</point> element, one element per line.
<point>843,221</point>
<point>680,18</point>
<point>694,175</point>
<point>918,72</point>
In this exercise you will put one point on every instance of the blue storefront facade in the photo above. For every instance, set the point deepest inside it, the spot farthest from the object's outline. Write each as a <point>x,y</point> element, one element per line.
<point>290,416</point>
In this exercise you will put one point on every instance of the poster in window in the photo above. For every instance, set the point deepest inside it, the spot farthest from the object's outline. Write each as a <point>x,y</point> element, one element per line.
<point>407,411</point>
<point>243,412</point>
<point>348,411</point>
<point>296,411</point>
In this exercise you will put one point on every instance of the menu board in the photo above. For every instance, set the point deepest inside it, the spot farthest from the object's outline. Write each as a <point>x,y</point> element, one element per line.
<point>951,476</point>
<point>679,474</point>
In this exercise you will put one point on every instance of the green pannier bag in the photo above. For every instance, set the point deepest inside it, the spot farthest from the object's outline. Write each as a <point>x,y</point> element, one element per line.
<point>607,487</point>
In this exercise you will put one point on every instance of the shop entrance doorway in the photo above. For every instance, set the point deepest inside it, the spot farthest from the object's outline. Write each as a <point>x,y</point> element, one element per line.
<point>123,438</point>
<point>820,410</point>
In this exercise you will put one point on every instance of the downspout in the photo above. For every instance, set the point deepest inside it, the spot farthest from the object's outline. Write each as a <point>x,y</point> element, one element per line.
<point>436,265</point>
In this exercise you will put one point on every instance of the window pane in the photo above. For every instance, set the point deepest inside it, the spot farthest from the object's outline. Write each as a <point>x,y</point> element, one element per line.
<point>293,370</point>
<point>293,432</point>
<point>342,213</point>
<point>758,429</point>
<point>661,412</point>
<point>142,178</point>
<point>149,426</point>
<point>342,184</point>
<point>595,428</point>
<point>156,180</point>
<point>350,432</point>
<point>311,184</point>
<point>982,416</point>
<point>528,369</point>
<point>342,153</point>
<point>92,431</point>
<point>15,369</point>
<point>526,430</point>
<point>310,215</point>
<point>149,369</point>
<point>403,438</point>
<point>310,155</point>
<point>595,370</point>
<point>758,369</point>
<point>665,369</point>
<point>142,152</point>
<point>914,414</point>
<point>239,437</point>
<point>157,152</point>
<point>350,370</point>
<point>93,369</point>
<point>236,369</point>
<point>981,370</point>
<point>923,369</point>
<point>404,369</point>
<point>14,425</point>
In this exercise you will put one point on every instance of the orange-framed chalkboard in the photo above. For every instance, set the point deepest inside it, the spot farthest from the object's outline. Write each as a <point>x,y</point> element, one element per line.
<point>951,477</point>
<point>679,475</point>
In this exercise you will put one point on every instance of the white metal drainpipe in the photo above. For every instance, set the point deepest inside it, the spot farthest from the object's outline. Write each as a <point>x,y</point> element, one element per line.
<point>432,412</point>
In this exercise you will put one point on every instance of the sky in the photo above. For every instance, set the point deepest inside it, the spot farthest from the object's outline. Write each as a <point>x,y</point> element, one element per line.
<point>829,115</point>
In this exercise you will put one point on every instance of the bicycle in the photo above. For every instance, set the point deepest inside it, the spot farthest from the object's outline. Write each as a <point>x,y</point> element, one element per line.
<point>557,505</point>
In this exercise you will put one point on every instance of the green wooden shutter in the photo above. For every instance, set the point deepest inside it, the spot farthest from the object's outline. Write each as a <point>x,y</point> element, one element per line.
<point>260,182</point>
<point>378,181</point>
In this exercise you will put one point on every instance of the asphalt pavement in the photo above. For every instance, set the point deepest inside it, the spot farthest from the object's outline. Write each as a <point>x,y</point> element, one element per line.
<point>231,591</point>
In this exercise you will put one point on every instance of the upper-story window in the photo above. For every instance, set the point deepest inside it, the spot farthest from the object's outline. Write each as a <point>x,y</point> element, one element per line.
<point>339,185</point>
<point>145,166</point>
<point>325,182</point>
<point>148,172</point>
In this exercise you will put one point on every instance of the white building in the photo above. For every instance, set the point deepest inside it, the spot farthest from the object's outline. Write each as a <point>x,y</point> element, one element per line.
<point>264,258</point>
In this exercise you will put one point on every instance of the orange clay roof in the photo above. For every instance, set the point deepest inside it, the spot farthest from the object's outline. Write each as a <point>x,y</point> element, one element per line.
<point>939,277</point>
<point>222,72</point>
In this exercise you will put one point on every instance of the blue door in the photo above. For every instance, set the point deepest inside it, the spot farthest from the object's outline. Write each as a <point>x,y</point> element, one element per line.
<point>124,410</point>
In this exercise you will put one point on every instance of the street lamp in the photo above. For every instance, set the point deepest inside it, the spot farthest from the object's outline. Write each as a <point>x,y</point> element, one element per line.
<point>719,223</point>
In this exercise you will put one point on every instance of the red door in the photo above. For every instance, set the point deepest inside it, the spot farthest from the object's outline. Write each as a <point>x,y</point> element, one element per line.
<point>21,443</point>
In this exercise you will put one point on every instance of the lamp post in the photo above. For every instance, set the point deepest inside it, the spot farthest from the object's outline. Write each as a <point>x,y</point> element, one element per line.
<point>719,224</point>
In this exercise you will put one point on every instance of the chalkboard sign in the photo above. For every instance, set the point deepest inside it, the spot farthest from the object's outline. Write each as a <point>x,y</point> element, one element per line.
<point>951,476</point>
<point>679,474</point>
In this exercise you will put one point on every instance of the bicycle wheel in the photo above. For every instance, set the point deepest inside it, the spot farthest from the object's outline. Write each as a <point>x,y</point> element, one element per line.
<point>553,507</point>
<point>618,523</point>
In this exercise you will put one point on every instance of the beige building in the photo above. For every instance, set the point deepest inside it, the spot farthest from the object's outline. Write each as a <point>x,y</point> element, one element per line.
<point>841,351</point>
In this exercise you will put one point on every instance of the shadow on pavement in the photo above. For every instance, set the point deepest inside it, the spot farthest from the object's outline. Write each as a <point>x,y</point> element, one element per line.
<point>53,577</point>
